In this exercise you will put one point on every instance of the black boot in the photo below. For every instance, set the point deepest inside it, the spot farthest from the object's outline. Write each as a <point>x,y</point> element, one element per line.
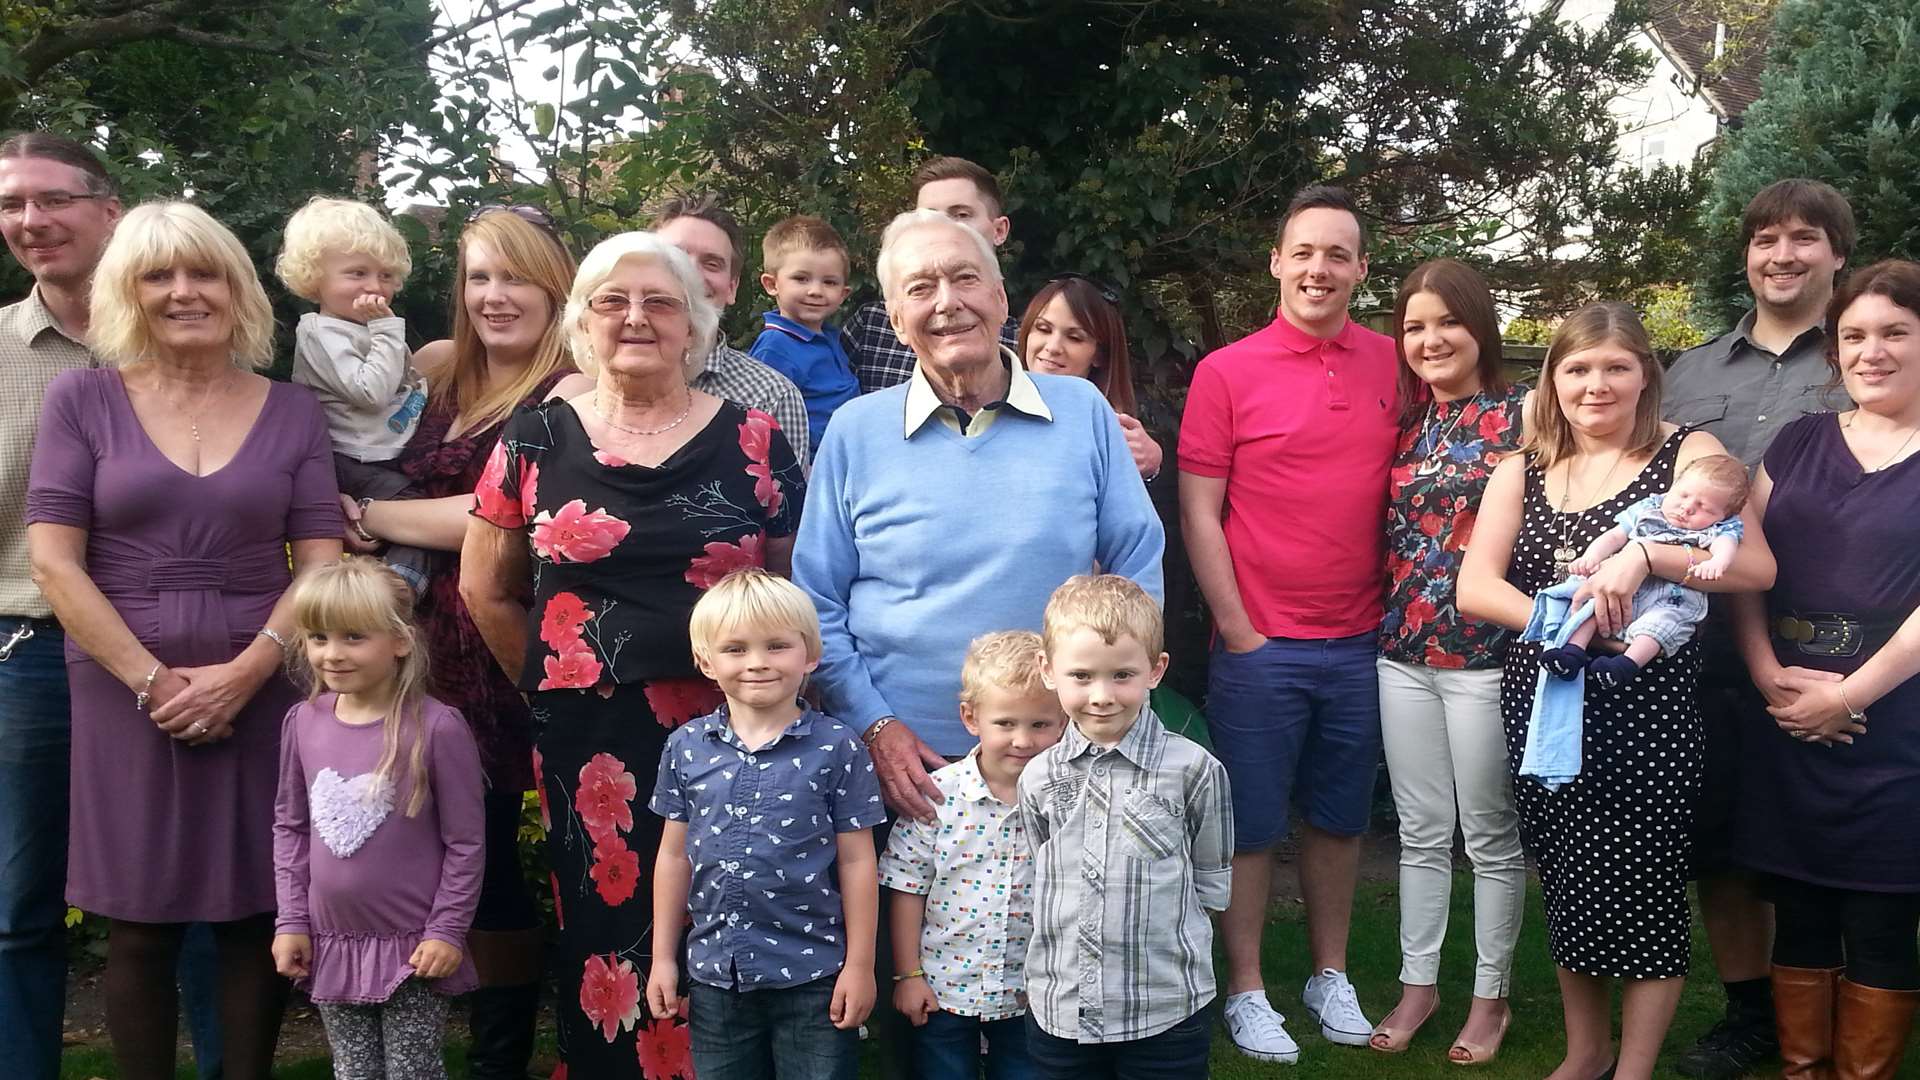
<point>1742,1042</point>
<point>501,1026</point>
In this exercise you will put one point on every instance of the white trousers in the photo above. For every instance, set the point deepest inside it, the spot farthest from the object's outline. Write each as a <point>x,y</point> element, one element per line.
<point>1447,754</point>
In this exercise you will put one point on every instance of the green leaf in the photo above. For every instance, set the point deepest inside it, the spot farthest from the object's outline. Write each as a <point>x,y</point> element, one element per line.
<point>543,119</point>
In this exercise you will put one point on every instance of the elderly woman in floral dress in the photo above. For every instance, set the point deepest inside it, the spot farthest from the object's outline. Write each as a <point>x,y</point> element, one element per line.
<point>613,510</point>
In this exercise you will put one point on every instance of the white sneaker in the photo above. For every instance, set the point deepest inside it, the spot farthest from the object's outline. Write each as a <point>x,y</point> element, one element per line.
<point>1330,999</point>
<point>1257,1030</point>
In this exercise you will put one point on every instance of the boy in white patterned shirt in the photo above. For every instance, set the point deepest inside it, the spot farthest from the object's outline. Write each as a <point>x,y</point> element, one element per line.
<point>1132,833</point>
<point>963,908</point>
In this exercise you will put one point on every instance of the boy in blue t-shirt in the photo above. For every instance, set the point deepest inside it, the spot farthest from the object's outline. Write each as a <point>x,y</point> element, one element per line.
<point>766,858</point>
<point>805,271</point>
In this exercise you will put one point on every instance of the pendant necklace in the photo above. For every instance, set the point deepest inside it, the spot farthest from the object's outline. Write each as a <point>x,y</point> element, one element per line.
<point>1564,554</point>
<point>1891,458</point>
<point>1430,461</point>
<point>193,418</point>
<point>610,422</point>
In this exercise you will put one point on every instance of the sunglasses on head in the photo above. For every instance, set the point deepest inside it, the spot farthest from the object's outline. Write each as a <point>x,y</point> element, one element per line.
<point>1105,290</point>
<point>532,215</point>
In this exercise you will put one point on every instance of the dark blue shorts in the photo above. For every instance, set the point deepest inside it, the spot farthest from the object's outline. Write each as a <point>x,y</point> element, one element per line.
<point>1297,722</point>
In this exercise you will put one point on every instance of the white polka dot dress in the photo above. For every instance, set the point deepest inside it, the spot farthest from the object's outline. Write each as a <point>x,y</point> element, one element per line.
<point>1611,847</point>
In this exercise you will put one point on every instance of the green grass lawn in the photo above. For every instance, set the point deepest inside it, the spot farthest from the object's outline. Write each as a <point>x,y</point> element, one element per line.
<point>1532,1049</point>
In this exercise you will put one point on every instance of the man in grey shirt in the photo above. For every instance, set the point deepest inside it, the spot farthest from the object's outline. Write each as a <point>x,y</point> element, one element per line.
<point>1744,386</point>
<point>701,227</point>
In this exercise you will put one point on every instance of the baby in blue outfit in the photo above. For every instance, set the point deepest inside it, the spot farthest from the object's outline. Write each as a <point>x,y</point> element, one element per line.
<point>1701,510</point>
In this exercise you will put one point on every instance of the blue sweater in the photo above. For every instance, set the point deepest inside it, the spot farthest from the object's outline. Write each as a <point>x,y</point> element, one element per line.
<point>912,547</point>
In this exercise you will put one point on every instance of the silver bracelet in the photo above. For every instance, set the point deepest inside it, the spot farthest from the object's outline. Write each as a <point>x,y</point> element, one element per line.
<point>873,732</point>
<point>1852,713</point>
<point>272,635</point>
<point>146,691</point>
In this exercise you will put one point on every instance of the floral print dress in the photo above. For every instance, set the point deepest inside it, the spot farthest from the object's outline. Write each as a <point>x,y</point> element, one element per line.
<point>1440,470</point>
<point>620,553</point>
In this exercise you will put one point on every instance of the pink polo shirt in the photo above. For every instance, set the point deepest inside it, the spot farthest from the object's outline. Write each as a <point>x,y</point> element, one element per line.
<point>1303,430</point>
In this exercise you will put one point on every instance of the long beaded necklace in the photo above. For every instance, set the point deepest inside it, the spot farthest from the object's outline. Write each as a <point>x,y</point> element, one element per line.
<point>1564,554</point>
<point>610,422</point>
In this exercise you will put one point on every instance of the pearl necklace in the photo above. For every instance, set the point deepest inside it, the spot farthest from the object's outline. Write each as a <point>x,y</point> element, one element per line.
<point>615,425</point>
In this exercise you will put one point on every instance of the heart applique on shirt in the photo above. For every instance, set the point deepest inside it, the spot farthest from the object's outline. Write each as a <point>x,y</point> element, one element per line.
<point>346,810</point>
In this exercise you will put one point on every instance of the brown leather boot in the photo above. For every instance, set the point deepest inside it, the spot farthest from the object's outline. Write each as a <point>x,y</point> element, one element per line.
<point>1870,1029</point>
<point>1803,1015</point>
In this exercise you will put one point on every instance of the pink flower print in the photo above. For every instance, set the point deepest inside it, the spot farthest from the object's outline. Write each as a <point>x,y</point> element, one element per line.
<point>560,623</point>
<point>529,488</point>
<point>540,790</point>
<point>722,559</point>
<point>559,1072</point>
<point>559,912</point>
<point>676,701</point>
<point>756,441</point>
<point>604,799</point>
<point>575,668</point>
<point>665,1047</point>
<point>610,994</point>
<point>615,870</point>
<point>575,534</point>
<point>489,495</point>
<point>610,459</point>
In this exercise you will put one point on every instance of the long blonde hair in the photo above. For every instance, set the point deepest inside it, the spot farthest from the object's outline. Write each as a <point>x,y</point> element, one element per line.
<point>1549,439</point>
<point>361,595</point>
<point>527,253</point>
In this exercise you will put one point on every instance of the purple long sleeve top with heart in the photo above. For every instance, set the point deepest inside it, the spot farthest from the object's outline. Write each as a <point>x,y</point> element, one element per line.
<point>353,872</point>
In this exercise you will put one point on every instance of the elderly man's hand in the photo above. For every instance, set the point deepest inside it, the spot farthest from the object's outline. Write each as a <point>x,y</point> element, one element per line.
<point>902,763</point>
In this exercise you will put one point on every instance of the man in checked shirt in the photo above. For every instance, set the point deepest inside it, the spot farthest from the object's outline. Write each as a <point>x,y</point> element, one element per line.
<point>1132,834</point>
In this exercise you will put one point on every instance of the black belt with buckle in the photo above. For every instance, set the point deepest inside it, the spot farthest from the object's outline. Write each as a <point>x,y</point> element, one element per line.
<point>1832,633</point>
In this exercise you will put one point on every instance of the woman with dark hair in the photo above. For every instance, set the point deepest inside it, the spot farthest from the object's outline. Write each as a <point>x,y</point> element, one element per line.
<point>1612,843</point>
<point>1440,671</point>
<point>507,350</point>
<point>1073,327</point>
<point>1832,798</point>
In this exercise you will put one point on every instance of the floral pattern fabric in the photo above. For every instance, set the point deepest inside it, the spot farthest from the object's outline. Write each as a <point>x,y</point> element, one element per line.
<point>1440,470</point>
<point>619,554</point>
<point>622,551</point>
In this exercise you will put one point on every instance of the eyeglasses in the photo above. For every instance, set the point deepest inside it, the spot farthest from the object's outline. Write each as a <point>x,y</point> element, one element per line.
<point>655,305</point>
<point>49,202</point>
<point>532,215</point>
<point>1105,290</point>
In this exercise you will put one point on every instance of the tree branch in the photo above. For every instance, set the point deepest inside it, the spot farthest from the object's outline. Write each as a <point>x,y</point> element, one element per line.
<point>493,13</point>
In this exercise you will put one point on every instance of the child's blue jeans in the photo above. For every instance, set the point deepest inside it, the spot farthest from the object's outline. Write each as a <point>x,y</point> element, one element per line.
<point>1179,1053</point>
<point>755,1034</point>
<point>947,1047</point>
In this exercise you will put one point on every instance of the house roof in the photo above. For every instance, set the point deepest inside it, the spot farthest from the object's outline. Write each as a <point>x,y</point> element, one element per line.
<point>1686,33</point>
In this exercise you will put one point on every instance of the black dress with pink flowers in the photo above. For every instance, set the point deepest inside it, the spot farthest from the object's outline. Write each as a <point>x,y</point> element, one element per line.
<point>620,553</point>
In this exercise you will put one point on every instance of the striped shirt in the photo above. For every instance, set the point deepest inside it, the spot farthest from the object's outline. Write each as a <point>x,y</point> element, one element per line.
<point>33,349</point>
<point>1130,843</point>
<point>880,358</point>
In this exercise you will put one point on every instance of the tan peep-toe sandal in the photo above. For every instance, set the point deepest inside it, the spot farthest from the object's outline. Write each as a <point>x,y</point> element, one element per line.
<point>1391,1041</point>
<point>1463,1052</point>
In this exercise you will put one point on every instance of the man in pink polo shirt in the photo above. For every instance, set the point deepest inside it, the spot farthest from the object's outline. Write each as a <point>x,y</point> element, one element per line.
<point>1284,452</point>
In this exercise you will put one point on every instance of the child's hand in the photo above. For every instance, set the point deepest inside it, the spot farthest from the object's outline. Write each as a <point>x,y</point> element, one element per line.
<point>293,955</point>
<point>434,959</point>
<point>372,306</point>
<point>1584,566</point>
<point>913,998</point>
<point>1711,569</point>
<point>852,998</point>
<point>663,988</point>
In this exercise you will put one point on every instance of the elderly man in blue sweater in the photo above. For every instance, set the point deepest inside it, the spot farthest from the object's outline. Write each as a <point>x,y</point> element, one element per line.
<point>953,505</point>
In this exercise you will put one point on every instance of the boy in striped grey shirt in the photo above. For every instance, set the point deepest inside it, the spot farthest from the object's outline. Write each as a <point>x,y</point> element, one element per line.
<point>1132,832</point>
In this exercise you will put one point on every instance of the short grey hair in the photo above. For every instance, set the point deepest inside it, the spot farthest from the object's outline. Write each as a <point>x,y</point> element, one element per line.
<point>925,219</point>
<point>600,264</point>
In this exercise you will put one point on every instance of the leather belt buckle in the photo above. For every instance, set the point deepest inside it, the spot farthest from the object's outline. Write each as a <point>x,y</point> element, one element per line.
<point>1822,633</point>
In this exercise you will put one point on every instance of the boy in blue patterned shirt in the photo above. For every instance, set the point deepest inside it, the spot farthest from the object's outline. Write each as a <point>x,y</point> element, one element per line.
<point>768,803</point>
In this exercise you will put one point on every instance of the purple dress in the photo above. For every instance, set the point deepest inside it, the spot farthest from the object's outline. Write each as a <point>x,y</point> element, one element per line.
<point>161,831</point>
<point>1848,542</point>
<point>366,882</point>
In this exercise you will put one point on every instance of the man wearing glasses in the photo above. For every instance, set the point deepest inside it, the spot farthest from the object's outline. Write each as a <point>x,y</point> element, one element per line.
<point>57,209</point>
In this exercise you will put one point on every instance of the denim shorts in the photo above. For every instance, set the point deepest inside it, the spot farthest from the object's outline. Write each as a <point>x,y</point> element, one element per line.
<point>1297,722</point>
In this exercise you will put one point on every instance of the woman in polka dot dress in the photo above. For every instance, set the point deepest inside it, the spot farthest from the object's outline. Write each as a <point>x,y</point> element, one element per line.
<point>1611,847</point>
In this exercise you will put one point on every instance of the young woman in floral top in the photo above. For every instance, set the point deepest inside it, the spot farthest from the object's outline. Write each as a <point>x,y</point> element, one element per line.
<point>612,512</point>
<point>1440,672</point>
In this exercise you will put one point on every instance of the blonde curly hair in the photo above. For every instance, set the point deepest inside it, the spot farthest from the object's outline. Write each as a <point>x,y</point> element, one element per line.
<point>326,227</point>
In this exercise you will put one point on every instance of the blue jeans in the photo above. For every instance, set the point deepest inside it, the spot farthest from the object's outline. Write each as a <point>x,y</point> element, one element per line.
<point>947,1047</point>
<point>1178,1053</point>
<point>34,744</point>
<point>755,1034</point>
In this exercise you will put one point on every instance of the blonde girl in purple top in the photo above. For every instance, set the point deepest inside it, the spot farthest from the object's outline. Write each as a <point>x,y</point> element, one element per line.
<point>378,829</point>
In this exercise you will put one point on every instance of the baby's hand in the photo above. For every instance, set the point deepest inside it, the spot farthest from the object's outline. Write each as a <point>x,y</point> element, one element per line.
<point>1584,566</point>
<point>433,959</point>
<point>663,988</point>
<point>913,999</point>
<point>1711,569</point>
<point>852,998</point>
<point>372,306</point>
<point>293,955</point>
